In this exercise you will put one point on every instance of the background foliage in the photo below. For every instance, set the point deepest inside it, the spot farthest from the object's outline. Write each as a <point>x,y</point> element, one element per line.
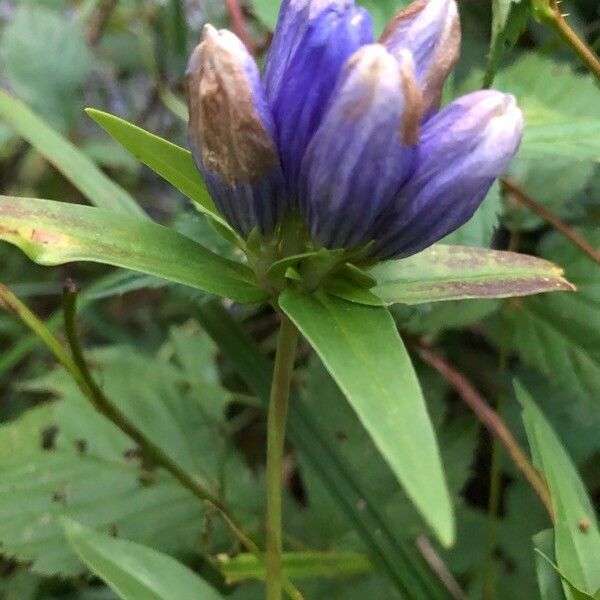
<point>150,345</point>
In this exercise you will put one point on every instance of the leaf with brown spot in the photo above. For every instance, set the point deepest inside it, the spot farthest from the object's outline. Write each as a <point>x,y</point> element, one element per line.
<point>460,272</point>
<point>55,233</point>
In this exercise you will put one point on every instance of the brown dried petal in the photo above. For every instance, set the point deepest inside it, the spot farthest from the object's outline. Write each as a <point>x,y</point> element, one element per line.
<point>224,123</point>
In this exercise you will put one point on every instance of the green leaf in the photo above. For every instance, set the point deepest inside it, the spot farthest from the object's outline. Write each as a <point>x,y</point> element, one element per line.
<point>383,10</point>
<point>46,61</point>
<point>575,592</point>
<point>187,427</point>
<point>459,272</point>
<point>351,489</point>
<point>509,21</point>
<point>53,233</point>
<point>558,194</point>
<point>576,138</point>
<point>561,111</point>
<point>548,579</point>
<point>566,350</point>
<point>267,11</point>
<point>296,565</point>
<point>435,317</point>
<point>171,162</point>
<point>67,158</point>
<point>362,350</point>
<point>577,538</point>
<point>65,459</point>
<point>135,572</point>
<point>324,525</point>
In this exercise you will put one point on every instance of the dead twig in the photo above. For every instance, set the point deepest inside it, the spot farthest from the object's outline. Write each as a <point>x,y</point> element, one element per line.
<point>541,211</point>
<point>490,419</point>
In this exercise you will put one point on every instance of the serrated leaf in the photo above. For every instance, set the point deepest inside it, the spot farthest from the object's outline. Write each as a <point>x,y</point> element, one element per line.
<point>561,111</point>
<point>134,571</point>
<point>459,272</point>
<point>53,233</point>
<point>577,538</point>
<point>150,393</point>
<point>362,350</point>
<point>81,472</point>
<point>559,334</point>
<point>67,158</point>
<point>90,471</point>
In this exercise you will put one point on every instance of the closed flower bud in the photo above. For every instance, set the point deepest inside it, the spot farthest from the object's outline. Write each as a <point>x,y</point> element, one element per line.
<point>430,29</point>
<point>231,133</point>
<point>463,149</point>
<point>364,150</point>
<point>347,130</point>
<point>313,40</point>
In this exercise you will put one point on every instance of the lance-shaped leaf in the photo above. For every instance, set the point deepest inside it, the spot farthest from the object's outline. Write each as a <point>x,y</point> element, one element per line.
<point>364,353</point>
<point>171,162</point>
<point>548,579</point>
<point>460,272</point>
<point>389,548</point>
<point>577,538</point>
<point>67,158</point>
<point>54,233</point>
<point>134,571</point>
<point>576,593</point>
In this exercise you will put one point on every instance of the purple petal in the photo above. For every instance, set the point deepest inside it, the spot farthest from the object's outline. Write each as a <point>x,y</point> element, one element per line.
<point>364,150</point>
<point>463,149</point>
<point>294,18</point>
<point>309,50</point>
<point>430,30</point>
<point>231,133</point>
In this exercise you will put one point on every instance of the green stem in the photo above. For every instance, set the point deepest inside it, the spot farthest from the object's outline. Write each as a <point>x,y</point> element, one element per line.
<point>278,408</point>
<point>10,302</point>
<point>553,16</point>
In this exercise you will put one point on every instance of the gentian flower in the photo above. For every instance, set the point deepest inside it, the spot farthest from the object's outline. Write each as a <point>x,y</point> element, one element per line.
<point>347,130</point>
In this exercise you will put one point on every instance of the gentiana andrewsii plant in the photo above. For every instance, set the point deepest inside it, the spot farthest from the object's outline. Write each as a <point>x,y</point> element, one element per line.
<point>340,146</point>
<point>336,171</point>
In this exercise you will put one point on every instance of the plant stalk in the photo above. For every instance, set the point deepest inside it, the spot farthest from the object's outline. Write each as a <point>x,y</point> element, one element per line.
<point>287,343</point>
<point>554,17</point>
<point>541,211</point>
<point>491,421</point>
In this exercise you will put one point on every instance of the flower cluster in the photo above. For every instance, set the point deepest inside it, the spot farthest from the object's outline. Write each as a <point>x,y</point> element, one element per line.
<point>346,130</point>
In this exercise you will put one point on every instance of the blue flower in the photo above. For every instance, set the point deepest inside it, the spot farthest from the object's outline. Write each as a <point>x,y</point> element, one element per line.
<point>348,130</point>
